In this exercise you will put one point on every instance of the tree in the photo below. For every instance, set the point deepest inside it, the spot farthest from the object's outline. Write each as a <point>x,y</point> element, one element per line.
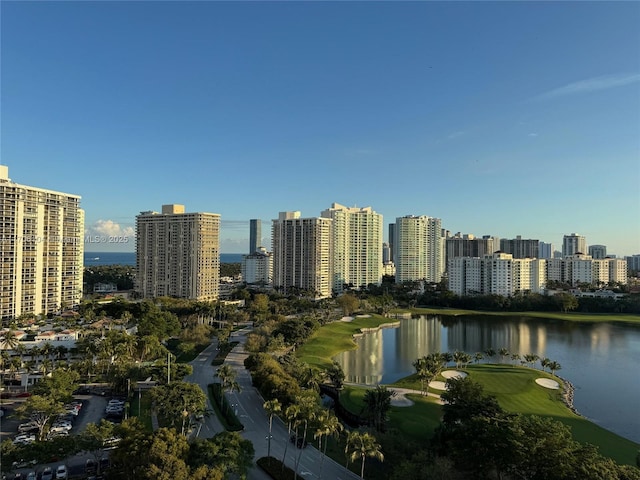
<point>93,439</point>
<point>227,453</point>
<point>348,303</point>
<point>10,339</point>
<point>503,352</point>
<point>377,403</point>
<point>490,352</point>
<point>477,357</point>
<point>428,368</point>
<point>167,456</point>
<point>130,459</point>
<point>336,375</point>
<point>39,409</point>
<point>272,407</point>
<point>177,401</point>
<point>531,358</point>
<point>308,403</point>
<point>328,425</point>
<point>292,414</point>
<point>554,367</point>
<point>227,376</point>
<point>363,445</point>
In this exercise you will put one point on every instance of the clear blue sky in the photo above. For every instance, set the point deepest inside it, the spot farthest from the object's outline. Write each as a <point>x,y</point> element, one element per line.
<point>505,119</point>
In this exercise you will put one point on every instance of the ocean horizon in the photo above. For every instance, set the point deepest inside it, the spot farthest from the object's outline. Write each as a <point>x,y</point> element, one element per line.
<point>129,258</point>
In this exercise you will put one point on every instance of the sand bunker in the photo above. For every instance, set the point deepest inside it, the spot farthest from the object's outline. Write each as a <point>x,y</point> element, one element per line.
<point>453,374</point>
<point>438,385</point>
<point>548,383</point>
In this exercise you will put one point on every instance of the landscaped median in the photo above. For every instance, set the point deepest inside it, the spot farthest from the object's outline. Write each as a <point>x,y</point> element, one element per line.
<point>336,337</point>
<point>223,410</point>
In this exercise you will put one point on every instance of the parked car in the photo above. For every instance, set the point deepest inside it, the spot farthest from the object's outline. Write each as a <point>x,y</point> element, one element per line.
<point>47,474</point>
<point>62,473</point>
<point>28,427</point>
<point>23,395</point>
<point>22,464</point>
<point>32,475</point>
<point>24,439</point>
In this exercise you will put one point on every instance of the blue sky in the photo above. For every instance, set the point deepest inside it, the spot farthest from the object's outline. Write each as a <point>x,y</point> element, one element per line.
<point>505,119</point>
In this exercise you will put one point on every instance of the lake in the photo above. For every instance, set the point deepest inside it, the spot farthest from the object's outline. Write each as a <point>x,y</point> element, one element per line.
<point>601,360</point>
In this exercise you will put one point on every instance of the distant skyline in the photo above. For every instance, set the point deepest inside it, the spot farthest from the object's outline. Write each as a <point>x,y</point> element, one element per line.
<point>500,118</point>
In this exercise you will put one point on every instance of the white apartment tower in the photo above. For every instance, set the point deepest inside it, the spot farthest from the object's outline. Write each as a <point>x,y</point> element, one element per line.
<point>418,249</point>
<point>356,246</point>
<point>302,254</point>
<point>41,249</point>
<point>178,254</point>
<point>257,267</point>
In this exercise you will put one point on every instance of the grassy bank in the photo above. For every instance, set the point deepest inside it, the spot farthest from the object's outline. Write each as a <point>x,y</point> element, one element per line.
<point>517,392</point>
<point>336,337</point>
<point>569,317</point>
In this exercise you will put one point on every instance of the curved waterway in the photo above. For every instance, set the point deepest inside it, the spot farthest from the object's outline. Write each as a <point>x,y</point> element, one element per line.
<point>601,360</point>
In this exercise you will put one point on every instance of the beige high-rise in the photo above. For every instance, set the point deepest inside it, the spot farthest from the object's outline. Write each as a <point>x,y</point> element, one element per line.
<point>41,249</point>
<point>178,254</point>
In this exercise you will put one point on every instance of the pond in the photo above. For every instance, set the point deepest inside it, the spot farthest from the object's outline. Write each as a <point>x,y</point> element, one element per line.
<point>601,360</point>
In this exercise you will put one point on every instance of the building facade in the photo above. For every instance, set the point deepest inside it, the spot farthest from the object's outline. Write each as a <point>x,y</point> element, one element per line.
<point>467,245</point>
<point>356,246</point>
<point>178,254</point>
<point>572,244</point>
<point>41,249</point>
<point>520,247</point>
<point>255,235</point>
<point>302,254</point>
<point>257,267</point>
<point>598,251</point>
<point>418,249</point>
<point>545,250</point>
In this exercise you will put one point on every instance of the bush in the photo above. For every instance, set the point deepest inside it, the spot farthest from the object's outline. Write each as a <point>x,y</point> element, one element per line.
<point>275,469</point>
<point>229,420</point>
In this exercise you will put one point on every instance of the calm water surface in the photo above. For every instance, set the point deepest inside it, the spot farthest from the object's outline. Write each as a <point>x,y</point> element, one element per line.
<point>602,361</point>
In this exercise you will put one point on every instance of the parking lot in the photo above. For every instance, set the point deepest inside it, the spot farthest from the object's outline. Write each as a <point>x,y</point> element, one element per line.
<point>92,411</point>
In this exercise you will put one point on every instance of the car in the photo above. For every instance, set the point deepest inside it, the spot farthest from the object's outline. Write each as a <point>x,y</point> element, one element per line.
<point>23,395</point>
<point>61,433</point>
<point>32,475</point>
<point>61,472</point>
<point>24,439</point>
<point>90,466</point>
<point>59,429</point>
<point>22,464</point>
<point>28,427</point>
<point>47,474</point>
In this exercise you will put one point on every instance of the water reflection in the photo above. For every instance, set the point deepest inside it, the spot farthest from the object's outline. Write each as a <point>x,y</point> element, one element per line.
<point>600,360</point>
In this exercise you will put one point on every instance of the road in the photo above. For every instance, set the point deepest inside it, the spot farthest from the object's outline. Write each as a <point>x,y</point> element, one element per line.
<point>248,405</point>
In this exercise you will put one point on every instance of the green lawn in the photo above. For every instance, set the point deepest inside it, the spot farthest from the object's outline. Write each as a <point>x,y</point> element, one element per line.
<point>570,317</point>
<point>334,338</point>
<point>516,391</point>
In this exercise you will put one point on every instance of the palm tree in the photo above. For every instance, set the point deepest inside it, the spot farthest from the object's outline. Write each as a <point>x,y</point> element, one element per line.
<point>10,340</point>
<point>329,425</point>
<point>531,358</point>
<point>291,414</point>
<point>377,403</point>
<point>362,445</point>
<point>503,352</point>
<point>515,357</point>
<point>227,375</point>
<point>490,352</point>
<point>554,366</point>
<point>458,357</point>
<point>544,362</point>
<point>271,407</point>
<point>477,357</point>
<point>308,411</point>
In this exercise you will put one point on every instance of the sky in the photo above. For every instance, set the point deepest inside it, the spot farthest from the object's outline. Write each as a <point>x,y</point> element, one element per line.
<point>503,119</point>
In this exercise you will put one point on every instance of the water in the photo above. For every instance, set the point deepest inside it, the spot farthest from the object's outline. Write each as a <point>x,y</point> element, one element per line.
<point>129,258</point>
<point>601,360</point>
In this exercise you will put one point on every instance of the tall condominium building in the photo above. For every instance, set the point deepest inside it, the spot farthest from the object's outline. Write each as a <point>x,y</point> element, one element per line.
<point>545,250</point>
<point>468,245</point>
<point>178,254</point>
<point>598,251</point>
<point>302,254</point>
<point>356,246</point>
<point>520,247</point>
<point>633,262</point>
<point>255,235</point>
<point>41,249</point>
<point>572,244</point>
<point>257,267</point>
<point>418,249</point>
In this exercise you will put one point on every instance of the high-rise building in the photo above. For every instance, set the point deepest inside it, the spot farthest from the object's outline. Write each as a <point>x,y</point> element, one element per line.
<point>520,247</point>
<point>598,251</point>
<point>41,249</point>
<point>255,235</point>
<point>633,263</point>
<point>573,244</point>
<point>545,250</point>
<point>178,254</point>
<point>468,245</point>
<point>418,249</point>
<point>392,235</point>
<point>257,267</point>
<point>356,246</point>
<point>302,254</point>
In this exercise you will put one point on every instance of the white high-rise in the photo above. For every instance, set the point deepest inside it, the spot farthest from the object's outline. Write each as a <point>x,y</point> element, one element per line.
<point>41,249</point>
<point>356,246</point>
<point>418,249</point>
<point>573,244</point>
<point>302,254</point>
<point>178,254</point>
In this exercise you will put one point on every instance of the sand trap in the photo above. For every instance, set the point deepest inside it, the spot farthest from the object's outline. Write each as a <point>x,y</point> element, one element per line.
<point>346,319</point>
<point>453,374</point>
<point>438,385</point>
<point>548,383</point>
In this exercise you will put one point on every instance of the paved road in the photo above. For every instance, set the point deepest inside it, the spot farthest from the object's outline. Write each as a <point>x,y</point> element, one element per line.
<point>248,404</point>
